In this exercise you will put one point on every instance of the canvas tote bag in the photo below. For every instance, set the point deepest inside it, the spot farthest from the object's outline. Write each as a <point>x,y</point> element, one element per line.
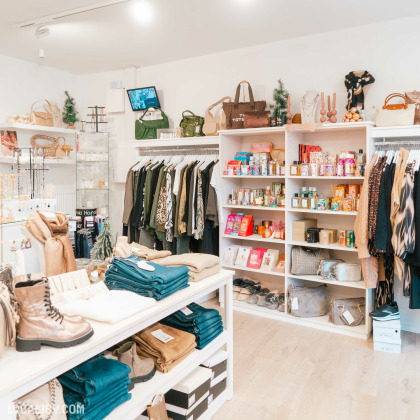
<point>211,124</point>
<point>236,110</point>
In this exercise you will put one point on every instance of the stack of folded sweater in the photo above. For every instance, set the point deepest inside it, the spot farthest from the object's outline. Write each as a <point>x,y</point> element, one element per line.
<point>200,265</point>
<point>126,274</point>
<point>95,388</point>
<point>165,345</point>
<point>205,324</point>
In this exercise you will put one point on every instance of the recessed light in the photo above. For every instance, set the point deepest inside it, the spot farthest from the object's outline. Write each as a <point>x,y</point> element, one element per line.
<point>142,11</point>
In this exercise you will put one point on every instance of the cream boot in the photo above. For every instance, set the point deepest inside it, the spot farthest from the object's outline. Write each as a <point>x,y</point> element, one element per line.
<point>41,323</point>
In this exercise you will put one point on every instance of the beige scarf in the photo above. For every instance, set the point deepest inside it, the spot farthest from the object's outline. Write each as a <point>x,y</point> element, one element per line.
<point>59,256</point>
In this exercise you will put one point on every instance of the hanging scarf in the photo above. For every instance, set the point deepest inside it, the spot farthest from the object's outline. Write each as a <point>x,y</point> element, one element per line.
<point>354,85</point>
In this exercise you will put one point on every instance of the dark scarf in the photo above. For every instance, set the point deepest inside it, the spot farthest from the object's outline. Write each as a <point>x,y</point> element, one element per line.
<point>354,85</point>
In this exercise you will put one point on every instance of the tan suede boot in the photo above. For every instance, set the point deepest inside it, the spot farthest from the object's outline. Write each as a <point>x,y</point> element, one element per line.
<point>142,370</point>
<point>41,323</point>
<point>157,409</point>
<point>122,247</point>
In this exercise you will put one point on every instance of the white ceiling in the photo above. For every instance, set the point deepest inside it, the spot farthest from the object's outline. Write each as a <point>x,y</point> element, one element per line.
<point>111,38</point>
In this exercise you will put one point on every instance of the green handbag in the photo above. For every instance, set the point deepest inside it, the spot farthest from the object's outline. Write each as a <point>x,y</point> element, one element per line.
<point>147,129</point>
<point>192,125</point>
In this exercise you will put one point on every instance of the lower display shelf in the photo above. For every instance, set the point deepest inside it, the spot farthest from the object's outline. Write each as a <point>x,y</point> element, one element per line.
<point>335,246</point>
<point>253,270</point>
<point>255,237</point>
<point>319,279</point>
<point>319,322</point>
<point>143,393</point>
<point>214,406</point>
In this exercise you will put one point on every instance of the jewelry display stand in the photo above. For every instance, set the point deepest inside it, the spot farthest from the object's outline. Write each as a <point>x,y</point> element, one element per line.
<point>308,106</point>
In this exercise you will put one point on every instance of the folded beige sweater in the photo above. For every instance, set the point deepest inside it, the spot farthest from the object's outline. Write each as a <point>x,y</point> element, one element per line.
<point>195,262</point>
<point>207,272</point>
<point>148,254</point>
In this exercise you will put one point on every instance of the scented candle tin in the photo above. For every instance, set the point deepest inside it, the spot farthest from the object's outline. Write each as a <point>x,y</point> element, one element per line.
<point>329,170</point>
<point>264,169</point>
<point>255,170</point>
<point>314,169</point>
<point>245,170</point>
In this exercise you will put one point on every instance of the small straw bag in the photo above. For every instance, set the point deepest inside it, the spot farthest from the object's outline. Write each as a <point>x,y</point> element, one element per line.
<point>48,147</point>
<point>42,117</point>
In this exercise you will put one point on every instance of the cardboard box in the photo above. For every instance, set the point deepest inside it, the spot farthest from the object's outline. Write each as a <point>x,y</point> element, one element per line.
<point>218,385</point>
<point>387,332</point>
<point>192,413</point>
<point>217,363</point>
<point>299,228</point>
<point>387,347</point>
<point>328,236</point>
<point>191,389</point>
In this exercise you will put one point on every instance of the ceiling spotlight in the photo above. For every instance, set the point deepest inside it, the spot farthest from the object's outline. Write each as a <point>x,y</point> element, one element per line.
<point>42,31</point>
<point>41,53</point>
<point>142,11</point>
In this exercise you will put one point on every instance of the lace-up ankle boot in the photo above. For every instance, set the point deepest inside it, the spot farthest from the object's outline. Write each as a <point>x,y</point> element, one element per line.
<point>42,323</point>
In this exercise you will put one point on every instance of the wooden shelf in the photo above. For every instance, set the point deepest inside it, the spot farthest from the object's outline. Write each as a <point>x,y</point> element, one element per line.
<point>323,246</point>
<point>35,128</point>
<point>177,142</point>
<point>328,178</point>
<point>42,366</point>
<point>319,279</point>
<point>328,212</point>
<point>161,383</point>
<point>253,270</point>
<point>56,162</point>
<point>252,177</point>
<point>232,206</point>
<point>254,238</point>
<point>319,322</point>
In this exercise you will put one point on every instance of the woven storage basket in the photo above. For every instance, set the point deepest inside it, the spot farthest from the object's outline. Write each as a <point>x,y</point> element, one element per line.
<point>49,147</point>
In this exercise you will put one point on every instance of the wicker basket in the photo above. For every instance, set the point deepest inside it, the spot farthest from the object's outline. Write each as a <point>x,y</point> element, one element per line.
<point>48,147</point>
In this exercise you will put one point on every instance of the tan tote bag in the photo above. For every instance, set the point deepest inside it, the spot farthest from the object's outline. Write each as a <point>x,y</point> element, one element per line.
<point>211,124</point>
<point>41,117</point>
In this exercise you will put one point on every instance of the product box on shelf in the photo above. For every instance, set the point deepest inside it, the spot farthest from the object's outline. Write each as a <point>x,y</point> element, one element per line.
<point>299,228</point>
<point>247,226</point>
<point>255,258</point>
<point>217,363</point>
<point>217,386</point>
<point>387,332</point>
<point>191,389</point>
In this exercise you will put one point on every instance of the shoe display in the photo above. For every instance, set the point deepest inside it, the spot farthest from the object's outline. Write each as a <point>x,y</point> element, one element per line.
<point>41,323</point>
<point>142,370</point>
<point>386,312</point>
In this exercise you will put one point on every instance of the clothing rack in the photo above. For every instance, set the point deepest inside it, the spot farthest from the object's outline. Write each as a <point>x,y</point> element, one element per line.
<point>397,142</point>
<point>146,151</point>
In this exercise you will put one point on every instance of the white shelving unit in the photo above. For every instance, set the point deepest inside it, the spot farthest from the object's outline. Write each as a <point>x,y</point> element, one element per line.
<point>35,128</point>
<point>48,363</point>
<point>332,138</point>
<point>177,142</point>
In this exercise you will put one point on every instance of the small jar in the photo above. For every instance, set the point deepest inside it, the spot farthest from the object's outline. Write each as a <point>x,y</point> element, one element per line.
<point>296,201</point>
<point>340,168</point>
<point>348,203</point>
<point>305,202</point>
<point>304,169</point>
<point>283,169</point>
<point>295,169</point>
<point>277,168</point>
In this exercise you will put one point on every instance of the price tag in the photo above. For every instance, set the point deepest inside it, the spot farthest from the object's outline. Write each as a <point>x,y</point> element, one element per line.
<point>295,304</point>
<point>162,336</point>
<point>186,311</point>
<point>72,225</point>
<point>348,316</point>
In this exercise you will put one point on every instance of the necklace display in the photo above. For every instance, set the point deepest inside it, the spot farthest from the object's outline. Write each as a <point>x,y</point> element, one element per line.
<point>308,106</point>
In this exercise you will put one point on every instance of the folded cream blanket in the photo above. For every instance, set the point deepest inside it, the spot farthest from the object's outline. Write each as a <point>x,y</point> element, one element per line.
<point>195,262</point>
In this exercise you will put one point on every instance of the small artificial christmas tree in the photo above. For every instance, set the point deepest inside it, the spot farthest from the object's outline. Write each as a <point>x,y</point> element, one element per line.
<point>69,112</point>
<point>103,246</point>
<point>280,96</point>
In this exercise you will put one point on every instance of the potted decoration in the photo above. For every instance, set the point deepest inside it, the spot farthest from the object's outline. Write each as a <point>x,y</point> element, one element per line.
<point>69,112</point>
<point>278,114</point>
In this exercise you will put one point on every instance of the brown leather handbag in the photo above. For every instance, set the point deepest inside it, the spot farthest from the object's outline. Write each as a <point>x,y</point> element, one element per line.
<point>235,111</point>
<point>414,98</point>
<point>256,119</point>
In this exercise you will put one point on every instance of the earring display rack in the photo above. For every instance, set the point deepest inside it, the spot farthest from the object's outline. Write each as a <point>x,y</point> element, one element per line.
<point>45,365</point>
<point>332,138</point>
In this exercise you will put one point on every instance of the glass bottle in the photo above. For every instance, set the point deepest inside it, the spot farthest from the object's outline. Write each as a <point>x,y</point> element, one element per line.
<point>295,168</point>
<point>296,200</point>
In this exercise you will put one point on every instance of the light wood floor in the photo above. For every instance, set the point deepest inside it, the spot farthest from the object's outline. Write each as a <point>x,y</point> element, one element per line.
<point>288,372</point>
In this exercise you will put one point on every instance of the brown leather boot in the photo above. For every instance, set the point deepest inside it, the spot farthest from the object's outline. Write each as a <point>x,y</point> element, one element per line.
<point>142,370</point>
<point>157,409</point>
<point>41,323</point>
